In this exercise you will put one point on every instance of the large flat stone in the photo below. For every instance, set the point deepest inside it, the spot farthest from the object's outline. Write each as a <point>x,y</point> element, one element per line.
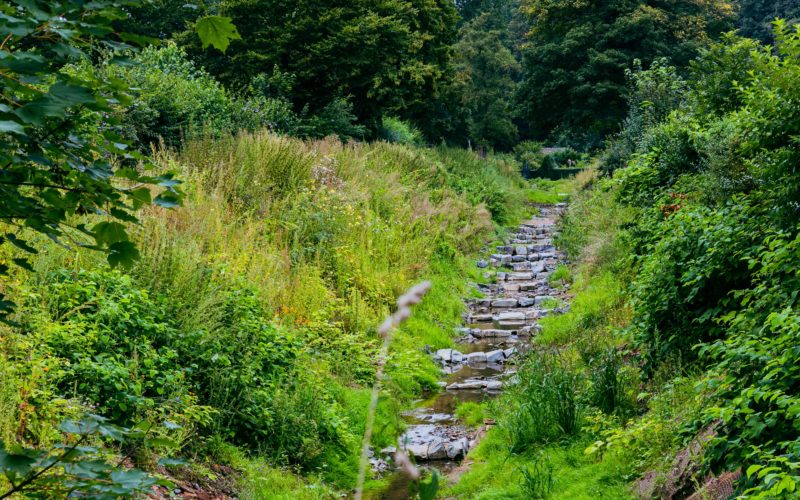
<point>519,276</point>
<point>502,303</point>
<point>492,334</point>
<point>476,358</point>
<point>495,356</point>
<point>511,316</point>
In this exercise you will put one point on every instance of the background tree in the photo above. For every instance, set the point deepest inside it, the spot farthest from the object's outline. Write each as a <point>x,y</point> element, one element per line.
<point>385,56</point>
<point>486,71</point>
<point>161,18</point>
<point>577,51</point>
<point>756,16</point>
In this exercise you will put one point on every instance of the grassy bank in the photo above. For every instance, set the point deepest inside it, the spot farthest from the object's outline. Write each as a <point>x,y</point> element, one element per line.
<point>249,320</point>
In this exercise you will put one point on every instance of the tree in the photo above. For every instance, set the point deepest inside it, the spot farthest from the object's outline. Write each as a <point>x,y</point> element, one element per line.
<point>756,16</point>
<point>486,71</point>
<point>161,18</point>
<point>385,56</point>
<point>60,153</point>
<point>577,53</point>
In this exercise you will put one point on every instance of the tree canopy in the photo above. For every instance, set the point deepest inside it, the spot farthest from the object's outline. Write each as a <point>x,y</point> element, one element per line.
<point>387,55</point>
<point>577,53</point>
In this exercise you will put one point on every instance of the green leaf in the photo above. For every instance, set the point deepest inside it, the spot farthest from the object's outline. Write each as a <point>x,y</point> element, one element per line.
<point>217,31</point>
<point>109,233</point>
<point>122,253</point>
<point>19,465</point>
<point>58,99</point>
<point>167,200</point>
<point>7,126</point>
<point>427,491</point>
<point>753,469</point>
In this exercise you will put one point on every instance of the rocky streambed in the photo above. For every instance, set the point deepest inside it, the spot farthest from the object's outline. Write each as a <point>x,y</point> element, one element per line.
<point>496,328</point>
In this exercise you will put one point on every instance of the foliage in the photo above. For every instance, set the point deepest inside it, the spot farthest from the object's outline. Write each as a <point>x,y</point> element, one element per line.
<point>382,57</point>
<point>396,130</point>
<point>577,52</point>
<point>173,99</point>
<point>75,467</point>
<point>758,369</point>
<point>485,71</point>
<point>545,405</point>
<point>755,17</point>
<point>250,318</point>
<point>160,18</point>
<point>653,94</point>
<point>717,191</point>
<point>62,154</point>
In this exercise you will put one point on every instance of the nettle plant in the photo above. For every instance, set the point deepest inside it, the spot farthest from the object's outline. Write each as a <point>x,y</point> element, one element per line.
<point>61,153</point>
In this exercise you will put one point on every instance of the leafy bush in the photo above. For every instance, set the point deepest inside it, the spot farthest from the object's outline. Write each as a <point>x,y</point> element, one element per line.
<point>652,95</point>
<point>174,98</point>
<point>755,372</point>
<point>115,346</point>
<point>399,131</point>
<point>698,257</point>
<point>529,154</point>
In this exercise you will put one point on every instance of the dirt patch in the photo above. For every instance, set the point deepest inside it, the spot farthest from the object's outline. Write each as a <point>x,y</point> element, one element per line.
<point>219,485</point>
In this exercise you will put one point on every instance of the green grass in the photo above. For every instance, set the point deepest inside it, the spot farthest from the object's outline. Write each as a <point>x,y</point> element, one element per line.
<point>319,238</point>
<point>496,474</point>
<point>471,414</point>
<point>595,306</point>
<point>560,277</point>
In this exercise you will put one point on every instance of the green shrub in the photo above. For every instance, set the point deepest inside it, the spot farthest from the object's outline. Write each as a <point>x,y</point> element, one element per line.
<point>115,346</point>
<point>399,131</point>
<point>256,113</point>
<point>698,256</point>
<point>174,99</point>
<point>529,154</point>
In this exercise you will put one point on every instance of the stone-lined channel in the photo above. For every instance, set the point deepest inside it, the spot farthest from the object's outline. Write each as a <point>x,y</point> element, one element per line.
<point>496,327</point>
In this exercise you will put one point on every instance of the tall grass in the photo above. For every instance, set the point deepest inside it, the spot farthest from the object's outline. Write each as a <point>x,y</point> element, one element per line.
<point>274,274</point>
<point>542,405</point>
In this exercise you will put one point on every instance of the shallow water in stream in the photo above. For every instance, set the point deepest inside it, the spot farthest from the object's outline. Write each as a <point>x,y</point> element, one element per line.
<point>434,437</point>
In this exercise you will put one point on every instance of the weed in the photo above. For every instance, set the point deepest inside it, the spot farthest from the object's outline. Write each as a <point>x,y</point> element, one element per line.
<point>537,478</point>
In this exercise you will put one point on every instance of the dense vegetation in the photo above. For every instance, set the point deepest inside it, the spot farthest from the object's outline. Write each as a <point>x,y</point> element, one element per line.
<point>208,208</point>
<point>682,334</point>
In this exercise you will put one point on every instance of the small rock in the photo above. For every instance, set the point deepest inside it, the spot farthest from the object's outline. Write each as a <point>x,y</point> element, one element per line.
<point>483,264</point>
<point>509,352</point>
<point>500,303</point>
<point>495,356</point>
<point>525,301</point>
<point>476,357</point>
<point>511,316</point>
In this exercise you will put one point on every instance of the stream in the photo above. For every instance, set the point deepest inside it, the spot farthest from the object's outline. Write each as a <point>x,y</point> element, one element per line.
<point>496,327</point>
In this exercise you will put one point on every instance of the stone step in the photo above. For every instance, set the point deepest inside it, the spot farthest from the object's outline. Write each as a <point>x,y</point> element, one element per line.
<point>487,385</point>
